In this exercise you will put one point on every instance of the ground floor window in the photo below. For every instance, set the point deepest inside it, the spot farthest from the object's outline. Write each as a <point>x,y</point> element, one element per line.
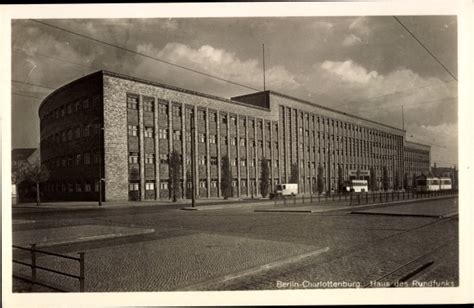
<point>150,185</point>
<point>133,186</point>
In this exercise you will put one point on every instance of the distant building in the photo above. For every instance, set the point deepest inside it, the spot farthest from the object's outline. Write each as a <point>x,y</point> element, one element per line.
<point>417,160</point>
<point>122,129</point>
<point>446,172</point>
<point>24,191</point>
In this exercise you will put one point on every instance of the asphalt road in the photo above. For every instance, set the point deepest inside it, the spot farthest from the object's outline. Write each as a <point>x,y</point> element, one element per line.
<point>363,250</point>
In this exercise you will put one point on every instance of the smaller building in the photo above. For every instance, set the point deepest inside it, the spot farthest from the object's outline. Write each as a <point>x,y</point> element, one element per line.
<point>416,160</point>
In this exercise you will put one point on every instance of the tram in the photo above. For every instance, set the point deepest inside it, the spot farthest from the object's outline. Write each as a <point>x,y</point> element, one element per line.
<point>426,183</point>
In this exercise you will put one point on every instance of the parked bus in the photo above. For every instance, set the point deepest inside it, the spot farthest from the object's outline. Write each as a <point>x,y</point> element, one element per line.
<point>357,186</point>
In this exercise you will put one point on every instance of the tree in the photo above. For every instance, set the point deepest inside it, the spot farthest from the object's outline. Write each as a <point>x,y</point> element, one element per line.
<point>340,179</point>
<point>396,182</point>
<point>385,182</point>
<point>37,174</point>
<point>264,178</point>
<point>174,166</point>
<point>405,181</point>
<point>226,178</point>
<point>320,179</point>
<point>294,173</point>
<point>19,171</point>
<point>373,180</point>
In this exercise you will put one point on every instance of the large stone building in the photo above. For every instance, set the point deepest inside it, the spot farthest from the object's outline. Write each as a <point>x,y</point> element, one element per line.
<point>123,129</point>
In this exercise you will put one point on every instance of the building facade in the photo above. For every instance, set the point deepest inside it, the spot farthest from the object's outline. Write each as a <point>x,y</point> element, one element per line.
<point>417,159</point>
<point>123,129</point>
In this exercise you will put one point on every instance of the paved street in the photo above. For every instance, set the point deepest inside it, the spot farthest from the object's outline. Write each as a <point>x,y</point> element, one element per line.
<point>238,248</point>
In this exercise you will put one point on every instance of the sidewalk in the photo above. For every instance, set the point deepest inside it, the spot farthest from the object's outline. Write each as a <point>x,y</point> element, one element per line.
<point>77,205</point>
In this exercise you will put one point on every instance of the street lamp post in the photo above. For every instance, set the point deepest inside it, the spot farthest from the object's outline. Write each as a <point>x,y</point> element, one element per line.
<point>100,165</point>
<point>193,189</point>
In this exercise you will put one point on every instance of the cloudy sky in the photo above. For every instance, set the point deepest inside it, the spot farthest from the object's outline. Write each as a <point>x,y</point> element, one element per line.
<point>369,66</point>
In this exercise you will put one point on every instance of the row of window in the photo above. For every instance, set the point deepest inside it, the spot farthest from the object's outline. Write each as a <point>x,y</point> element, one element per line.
<point>164,184</point>
<point>72,186</point>
<point>72,134</point>
<point>79,159</point>
<point>163,106</point>
<point>72,108</point>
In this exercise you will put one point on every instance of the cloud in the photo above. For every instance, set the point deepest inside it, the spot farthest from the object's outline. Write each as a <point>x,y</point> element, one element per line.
<point>360,25</point>
<point>351,40</point>
<point>217,62</point>
<point>349,71</point>
<point>443,139</point>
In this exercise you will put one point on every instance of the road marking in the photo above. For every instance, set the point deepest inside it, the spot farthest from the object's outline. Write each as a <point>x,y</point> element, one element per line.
<point>253,270</point>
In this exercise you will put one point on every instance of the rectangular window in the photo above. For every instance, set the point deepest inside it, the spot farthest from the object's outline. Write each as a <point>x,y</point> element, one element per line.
<point>78,187</point>
<point>77,132</point>
<point>78,159</point>
<point>233,162</point>
<point>164,158</point>
<point>164,185</point>
<point>69,108</point>
<point>242,142</point>
<point>133,186</point>
<point>202,160</point>
<point>150,185</point>
<point>69,135</point>
<point>69,160</point>
<point>163,108</point>
<point>202,115</point>
<point>176,111</point>
<point>213,117</point>
<point>96,158</point>
<point>86,131</point>
<point>87,186</point>
<point>188,136</point>
<point>133,130</point>
<point>202,137</point>
<point>163,133</point>
<point>70,187</point>
<point>243,162</point>
<point>203,184</point>
<point>214,160</point>
<point>149,105</point>
<point>149,158</point>
<point>213,183</point>
<point>133,158</point>
<point>233,141</point>
<point>212,139</point>
<point>224,140</point>
<point>177,135</point>
<point>149,132</point>
<point>132,102</point>
<point>224,119</point>
<point>232,120</point>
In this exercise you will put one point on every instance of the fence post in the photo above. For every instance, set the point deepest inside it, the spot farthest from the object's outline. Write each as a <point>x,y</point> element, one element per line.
<point>82,271</point>
<point>33,265</point>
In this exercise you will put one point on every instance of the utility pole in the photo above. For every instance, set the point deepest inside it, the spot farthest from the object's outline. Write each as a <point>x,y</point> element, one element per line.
<point>263,56</point>
<point>403,119</point>
<point>193,190</point>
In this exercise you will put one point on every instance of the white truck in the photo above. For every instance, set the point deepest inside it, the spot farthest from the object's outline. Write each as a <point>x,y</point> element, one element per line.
<point>284,190</point>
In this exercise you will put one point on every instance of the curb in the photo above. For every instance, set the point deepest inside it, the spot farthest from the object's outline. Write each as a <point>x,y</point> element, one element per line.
<point>253,270</point>
<point>90,238</point>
